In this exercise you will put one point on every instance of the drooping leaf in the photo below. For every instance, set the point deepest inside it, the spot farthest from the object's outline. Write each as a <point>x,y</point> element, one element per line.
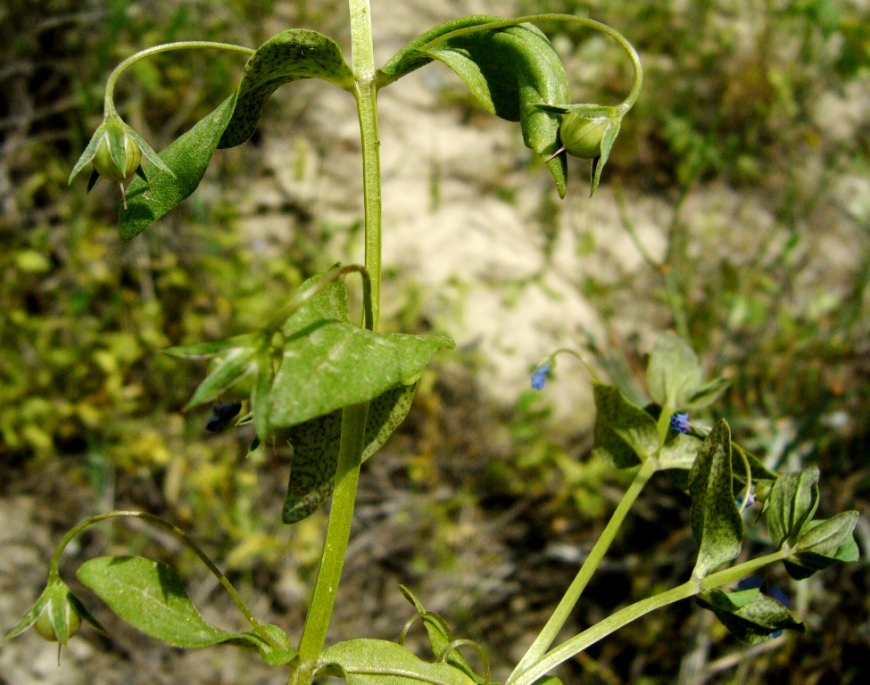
<point>150,596</point>
<point>511,70</point>
<point>290,56</point>
<point>748,614</point>
<point>412,56</point>
<point>624,433</point>
<point>188,157</point>
<point>716,522</point>
<point>316,445</point>
<point>440,637</point>
<point>792,503</point>
<point>379,662</point>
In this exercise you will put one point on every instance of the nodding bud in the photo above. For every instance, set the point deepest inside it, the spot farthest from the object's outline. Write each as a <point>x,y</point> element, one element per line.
<point>59,619</point>
<point>118,156</point>
<point>57,614</point>
<point>582,136</point>
<point>116,151</point>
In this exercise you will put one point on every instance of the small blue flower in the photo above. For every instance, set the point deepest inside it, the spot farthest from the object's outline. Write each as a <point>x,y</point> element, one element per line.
<point>539,377</point>
<point>750,499</point>
<point>680,423</point>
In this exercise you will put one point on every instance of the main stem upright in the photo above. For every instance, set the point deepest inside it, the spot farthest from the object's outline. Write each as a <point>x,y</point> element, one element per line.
<point>353,417</point>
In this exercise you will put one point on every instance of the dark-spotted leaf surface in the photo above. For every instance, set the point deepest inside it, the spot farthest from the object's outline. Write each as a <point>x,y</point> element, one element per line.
<point>749,615</point>
<point>440,637</point>
<point>379,662</point>
<point>828,536</point>
<point>804,564</point>
<point>316,444</point>
<point>188,157</point>
<point>329,364</point>
<point>150,596</point>
<point>290,56</point>
<point>624,433</point>
<point>792,503</point>
<point>716,522</point>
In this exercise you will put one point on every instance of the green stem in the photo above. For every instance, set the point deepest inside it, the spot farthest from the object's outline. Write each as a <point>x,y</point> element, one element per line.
<point>560,615</point>
<point>109,105</point>
<point>632,96</point>
<point>614,622</point>
<point>53,567</point>
<point>353,420</point>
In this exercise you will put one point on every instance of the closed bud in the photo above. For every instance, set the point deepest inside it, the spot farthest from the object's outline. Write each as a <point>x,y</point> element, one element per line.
<point>118,156</point>
<point>582,136</point>
<point>57,614</point>
<point>59,619</point>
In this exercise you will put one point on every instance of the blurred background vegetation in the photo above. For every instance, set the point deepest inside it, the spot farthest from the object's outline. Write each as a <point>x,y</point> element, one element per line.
<point>764,98</point>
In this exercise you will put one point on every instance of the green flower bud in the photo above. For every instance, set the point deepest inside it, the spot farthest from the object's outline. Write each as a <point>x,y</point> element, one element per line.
<point>59,619</point>
<point>116,151</point>
<point>582,136</point>
<point>57,614</point>
<point>118,156</point>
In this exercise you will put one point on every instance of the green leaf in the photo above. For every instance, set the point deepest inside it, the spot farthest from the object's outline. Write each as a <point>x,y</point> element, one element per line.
<point>748,614</point>
<point>379,662</point>
<point>826,537</point>
<point>411,57</point>
<point>624,432</point>
<point>329,363</point>
<point>187,158</point>
<point>511,70</point>
<point>150,596</point>
<point>804,564</point>
<point>316,444</point>
<point>680,452</point>
<point>673,373</point>
<point>792,502</point>
<point>707,393</point>
<point>716,522</point>
<point>232,368</point>
<point>290,56</point>
<point>440,637</point>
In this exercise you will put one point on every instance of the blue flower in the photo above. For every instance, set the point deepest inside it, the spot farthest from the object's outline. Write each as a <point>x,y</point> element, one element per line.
<point>680,423</point>
<point>750,499</point>
<point>539,377</point>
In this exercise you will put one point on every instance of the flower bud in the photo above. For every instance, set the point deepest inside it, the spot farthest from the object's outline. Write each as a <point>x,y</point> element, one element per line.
<point>57,614</point>
<point>59,619</point>
<point>118,156</point>
<point>582,136</point>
